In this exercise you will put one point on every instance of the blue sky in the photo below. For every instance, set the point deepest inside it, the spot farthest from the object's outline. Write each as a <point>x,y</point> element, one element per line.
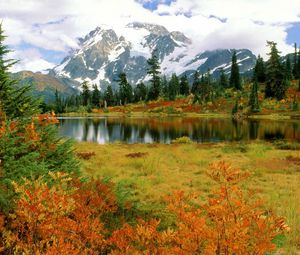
<point>41,33</point>
<point>294,34</point>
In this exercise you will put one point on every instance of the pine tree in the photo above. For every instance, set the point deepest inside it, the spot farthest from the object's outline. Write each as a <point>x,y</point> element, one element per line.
<point>173,87</point>
<point>298,65</point>
<point>205,88</point>
<point>85,93</point>
<point>253,100</point>
<point>288,69</point>
<point>165,87</point>
<point>59,104</point>
<point>196,83</point>
<point>96,96</point>
<point>15,101</point>
<point>109,96</point>
<point>154,72</point>
<point>260,70</point>
<point>223,79</point>
<point>295,64</point>
<point>276,83</point>
<point>184,86</point>
<point>140,92</point>
<point>235,73</point>
<point>125,89</point>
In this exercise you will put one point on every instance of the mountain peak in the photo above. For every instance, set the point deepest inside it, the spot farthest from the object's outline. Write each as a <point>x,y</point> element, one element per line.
<point>152,28</point>
<point>104,53</point>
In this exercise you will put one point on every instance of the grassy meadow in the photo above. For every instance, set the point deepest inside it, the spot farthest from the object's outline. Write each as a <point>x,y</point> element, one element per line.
<point>144,173</point>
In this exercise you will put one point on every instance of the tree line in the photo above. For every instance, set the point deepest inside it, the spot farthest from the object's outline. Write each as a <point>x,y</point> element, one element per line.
<point>275,74</point>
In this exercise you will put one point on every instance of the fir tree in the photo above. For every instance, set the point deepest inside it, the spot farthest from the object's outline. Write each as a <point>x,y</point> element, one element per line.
<point>96,96</point>
<point>260,70</point>
<point>276,82</point>
<point>288,69</point>
<point>154,72</point>
<point>173,87</point>
<point>125,89</point>
<point>295,63</point>
<point>165,87</point>
<point>109,96</point>
<point>85,93</point>
<point>235,73</point>
<point>59,103</point>
<point>196,83</point>
<point>253,100</point>
<point>15,101</point>
<point>184,86</point>
<point>140,92</point>
<point>298,65</point>
<point>223,79</point>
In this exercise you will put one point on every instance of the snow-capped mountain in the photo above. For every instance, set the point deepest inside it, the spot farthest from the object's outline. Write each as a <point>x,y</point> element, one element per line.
<point>104,53</point>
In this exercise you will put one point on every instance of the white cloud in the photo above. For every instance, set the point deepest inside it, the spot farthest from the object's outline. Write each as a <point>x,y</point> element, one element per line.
<point>56,24</point>
<point>31,60</point>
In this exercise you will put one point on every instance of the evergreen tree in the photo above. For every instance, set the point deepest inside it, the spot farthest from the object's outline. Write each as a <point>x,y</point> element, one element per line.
<point>276,83</point>
<point>59,103</point>
<point>235,73</point>
<point>15,101</point>
<point>109,96</point>
<point>184,86</point>
<point>96,96</point>
<point>154,72</point>
<point>140,92</point>
<point>196,83</point>
<point>260,70</point>
<point>298,65</point>
<point>253,100</point>
<point>173,87</point>
<point>295,64</point>
<point>205,88</point>
<point>223,79</point>
<point>29,147</point>
<point>125,89</point>
<point>165,87</point>
<point>288,69</point>
<point>85,93</point>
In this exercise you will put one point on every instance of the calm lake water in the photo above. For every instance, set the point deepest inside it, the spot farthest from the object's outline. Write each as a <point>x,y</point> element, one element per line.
<point>164,130</point>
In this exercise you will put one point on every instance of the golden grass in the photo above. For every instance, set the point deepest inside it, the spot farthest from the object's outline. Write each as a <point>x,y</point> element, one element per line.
<point>162,168</point>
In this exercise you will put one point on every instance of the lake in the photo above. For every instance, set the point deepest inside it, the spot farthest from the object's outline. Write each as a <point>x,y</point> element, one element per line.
<point>163,130</point>
<point>104,130</point>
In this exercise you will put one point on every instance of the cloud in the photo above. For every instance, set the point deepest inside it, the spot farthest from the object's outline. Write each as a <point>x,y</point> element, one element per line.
<point>31,60</point>
<point>56,25</point>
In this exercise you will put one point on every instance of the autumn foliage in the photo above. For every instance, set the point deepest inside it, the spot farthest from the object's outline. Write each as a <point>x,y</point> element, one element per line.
<point>68,216</point>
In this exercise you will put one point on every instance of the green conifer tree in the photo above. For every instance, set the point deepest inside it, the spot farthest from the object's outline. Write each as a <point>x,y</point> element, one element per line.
<point>15,100</point>
<point>125,89</point>
<point>165,87</point>
<point>173,87</point>
<point>140,92</point>
<point>276,82</point>
<point>196,83</point>
<point>235,73</point>
<point>253,100</point>
<point>85,93</point>
<point>295,63</point>
<point>109,96</point>
<point>184,86</point>
<point>96,96</point>
<point>288,69</point>
<point>154,71</point>
<point>260,70</point>
<point>223,79</point>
